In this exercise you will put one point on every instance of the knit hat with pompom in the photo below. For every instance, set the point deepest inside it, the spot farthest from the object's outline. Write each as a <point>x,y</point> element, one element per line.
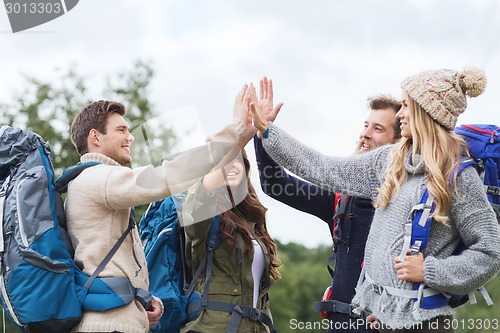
<point>442,93</point>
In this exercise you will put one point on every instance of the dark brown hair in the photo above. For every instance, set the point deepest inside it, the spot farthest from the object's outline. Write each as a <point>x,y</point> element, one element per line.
<point>93,116</point>
<point>381,102</point>
<point>234,221</point>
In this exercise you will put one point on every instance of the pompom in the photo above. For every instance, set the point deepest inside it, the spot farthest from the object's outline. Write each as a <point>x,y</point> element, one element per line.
<point>474,81</point>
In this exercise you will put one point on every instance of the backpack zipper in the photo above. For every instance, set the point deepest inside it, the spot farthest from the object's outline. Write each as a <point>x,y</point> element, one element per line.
<point>6,299</point>
<point>492,134</point>
<point>22,232</point>
<point>5,295</point>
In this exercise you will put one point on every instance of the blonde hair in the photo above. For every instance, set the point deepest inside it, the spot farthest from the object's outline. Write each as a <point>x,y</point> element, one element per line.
<point>440,151</point>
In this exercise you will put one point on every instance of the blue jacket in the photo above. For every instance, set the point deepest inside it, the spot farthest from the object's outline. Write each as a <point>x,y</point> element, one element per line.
<point>354,228</point>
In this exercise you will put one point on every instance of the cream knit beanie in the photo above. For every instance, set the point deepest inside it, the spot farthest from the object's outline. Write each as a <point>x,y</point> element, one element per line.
<point>442,93</point>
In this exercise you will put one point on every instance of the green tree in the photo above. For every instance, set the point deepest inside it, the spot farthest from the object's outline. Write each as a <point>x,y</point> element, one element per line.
<point>304,279</point>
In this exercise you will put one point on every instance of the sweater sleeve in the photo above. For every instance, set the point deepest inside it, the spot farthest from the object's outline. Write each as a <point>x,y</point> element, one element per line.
<point>198,211</point>
<point>475,221</point>
<point>356,175</point>
<point>127,187</point>
<point>292,191</point>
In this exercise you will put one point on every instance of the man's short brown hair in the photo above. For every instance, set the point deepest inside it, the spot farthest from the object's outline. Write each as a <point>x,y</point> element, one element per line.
<point>93,116</point>
<point>381,102</point>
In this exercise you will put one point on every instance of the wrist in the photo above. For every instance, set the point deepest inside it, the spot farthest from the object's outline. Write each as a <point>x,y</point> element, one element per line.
<point>264,133</point>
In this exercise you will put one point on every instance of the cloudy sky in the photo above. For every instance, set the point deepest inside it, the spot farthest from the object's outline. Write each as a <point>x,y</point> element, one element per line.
<point>325,58</point>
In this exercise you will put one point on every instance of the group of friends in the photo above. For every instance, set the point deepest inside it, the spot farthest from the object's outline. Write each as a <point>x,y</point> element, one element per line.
<point>405,147</point>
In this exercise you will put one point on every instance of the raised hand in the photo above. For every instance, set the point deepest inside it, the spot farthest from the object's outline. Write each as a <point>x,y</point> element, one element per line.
<point>265,102</point>
<point>241,104</point>
<point>263,108</point>
<point>251,129</point>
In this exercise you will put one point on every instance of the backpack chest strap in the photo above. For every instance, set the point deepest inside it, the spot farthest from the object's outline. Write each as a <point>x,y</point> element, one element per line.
<point>418,225</point>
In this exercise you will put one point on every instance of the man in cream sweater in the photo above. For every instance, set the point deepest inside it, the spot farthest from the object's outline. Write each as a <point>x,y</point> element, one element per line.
<point>99,201</point>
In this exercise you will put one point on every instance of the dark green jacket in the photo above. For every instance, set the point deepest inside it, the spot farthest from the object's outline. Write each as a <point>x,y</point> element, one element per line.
<point>231,279</point>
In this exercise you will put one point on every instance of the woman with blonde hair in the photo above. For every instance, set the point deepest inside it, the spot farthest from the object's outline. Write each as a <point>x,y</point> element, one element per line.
<point>395,177</point>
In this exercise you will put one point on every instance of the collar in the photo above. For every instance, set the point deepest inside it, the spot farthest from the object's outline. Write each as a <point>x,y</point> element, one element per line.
<point>96,157</point>
<point>417,165</point>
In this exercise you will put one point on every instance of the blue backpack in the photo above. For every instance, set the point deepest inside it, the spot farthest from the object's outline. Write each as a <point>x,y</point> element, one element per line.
<point>41,287</point>
<point>169,277</point>
<point>484,146</point>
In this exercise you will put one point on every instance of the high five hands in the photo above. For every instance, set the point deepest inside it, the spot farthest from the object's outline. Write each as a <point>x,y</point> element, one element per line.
<point>255,110</point>
<point>263,109</point>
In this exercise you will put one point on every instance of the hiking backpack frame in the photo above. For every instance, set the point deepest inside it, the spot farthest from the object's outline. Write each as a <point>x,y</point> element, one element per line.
<point>41,287</point>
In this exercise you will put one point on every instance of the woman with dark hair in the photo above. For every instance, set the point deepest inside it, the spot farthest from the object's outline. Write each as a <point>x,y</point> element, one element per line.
<point>246,259</point>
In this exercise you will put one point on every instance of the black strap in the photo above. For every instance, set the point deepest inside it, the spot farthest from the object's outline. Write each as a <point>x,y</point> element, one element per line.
<point>61,184</point>
<point>209,265</point>
<point>338,307</point>
<point>237,312</point>
<point>112,252</point>
<point>340,209</point>
<point>329,261</point>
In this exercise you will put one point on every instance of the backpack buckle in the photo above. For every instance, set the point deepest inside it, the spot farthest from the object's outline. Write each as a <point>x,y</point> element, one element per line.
<point>492,190</point>
<point>256,315</point>
<point>377,288</point>
<point>356,313</point>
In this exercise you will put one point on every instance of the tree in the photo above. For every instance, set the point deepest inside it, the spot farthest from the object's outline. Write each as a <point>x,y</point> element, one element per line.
<point>304,279</point>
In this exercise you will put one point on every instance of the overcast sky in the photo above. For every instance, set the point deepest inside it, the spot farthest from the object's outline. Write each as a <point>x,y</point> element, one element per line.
<point>325,58</point>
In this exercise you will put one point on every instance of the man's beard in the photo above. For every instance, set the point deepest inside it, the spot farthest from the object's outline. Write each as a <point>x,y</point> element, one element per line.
<point>369,143</point>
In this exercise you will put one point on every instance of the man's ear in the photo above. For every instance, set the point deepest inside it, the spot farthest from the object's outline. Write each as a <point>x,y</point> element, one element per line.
<point>94,137</point>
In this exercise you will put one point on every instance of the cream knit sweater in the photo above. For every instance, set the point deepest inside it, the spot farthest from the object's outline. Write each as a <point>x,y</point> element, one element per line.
<point>98,205</point>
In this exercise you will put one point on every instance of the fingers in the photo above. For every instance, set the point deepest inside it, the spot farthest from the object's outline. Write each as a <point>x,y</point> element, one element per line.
<point>270,90</point>
<point>258,122</point>
<point>261,85</point>
<point>277,109</point>
<point>241,104</point>
<point>374,323</point>
<point>264,88</point>
<point>253,94</point>
<point>241,93</point>
<point>154,315</point>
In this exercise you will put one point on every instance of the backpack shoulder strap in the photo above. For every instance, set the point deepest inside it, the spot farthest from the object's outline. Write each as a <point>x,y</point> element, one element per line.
<point>339,209</point>
<point>111,253</point>
<point>69,174</point>
<point>418,226</point>
<point>213,242</point>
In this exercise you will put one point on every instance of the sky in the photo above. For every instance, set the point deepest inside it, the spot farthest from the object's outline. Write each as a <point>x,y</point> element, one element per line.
<point>325,58</point>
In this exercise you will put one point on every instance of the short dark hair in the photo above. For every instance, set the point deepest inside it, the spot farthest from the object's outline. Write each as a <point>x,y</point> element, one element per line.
<point>93,116</point>
<point>381,102</point>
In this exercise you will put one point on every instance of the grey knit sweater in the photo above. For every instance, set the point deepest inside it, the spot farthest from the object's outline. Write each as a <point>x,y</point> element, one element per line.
<point>471,217</point>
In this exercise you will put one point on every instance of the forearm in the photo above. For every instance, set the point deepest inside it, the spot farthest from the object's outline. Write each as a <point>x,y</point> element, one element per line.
<point>291,191</point>
<point>198,211</point>
<point>179,172</point>
<point>357,175</point>
<point>472,268</point>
